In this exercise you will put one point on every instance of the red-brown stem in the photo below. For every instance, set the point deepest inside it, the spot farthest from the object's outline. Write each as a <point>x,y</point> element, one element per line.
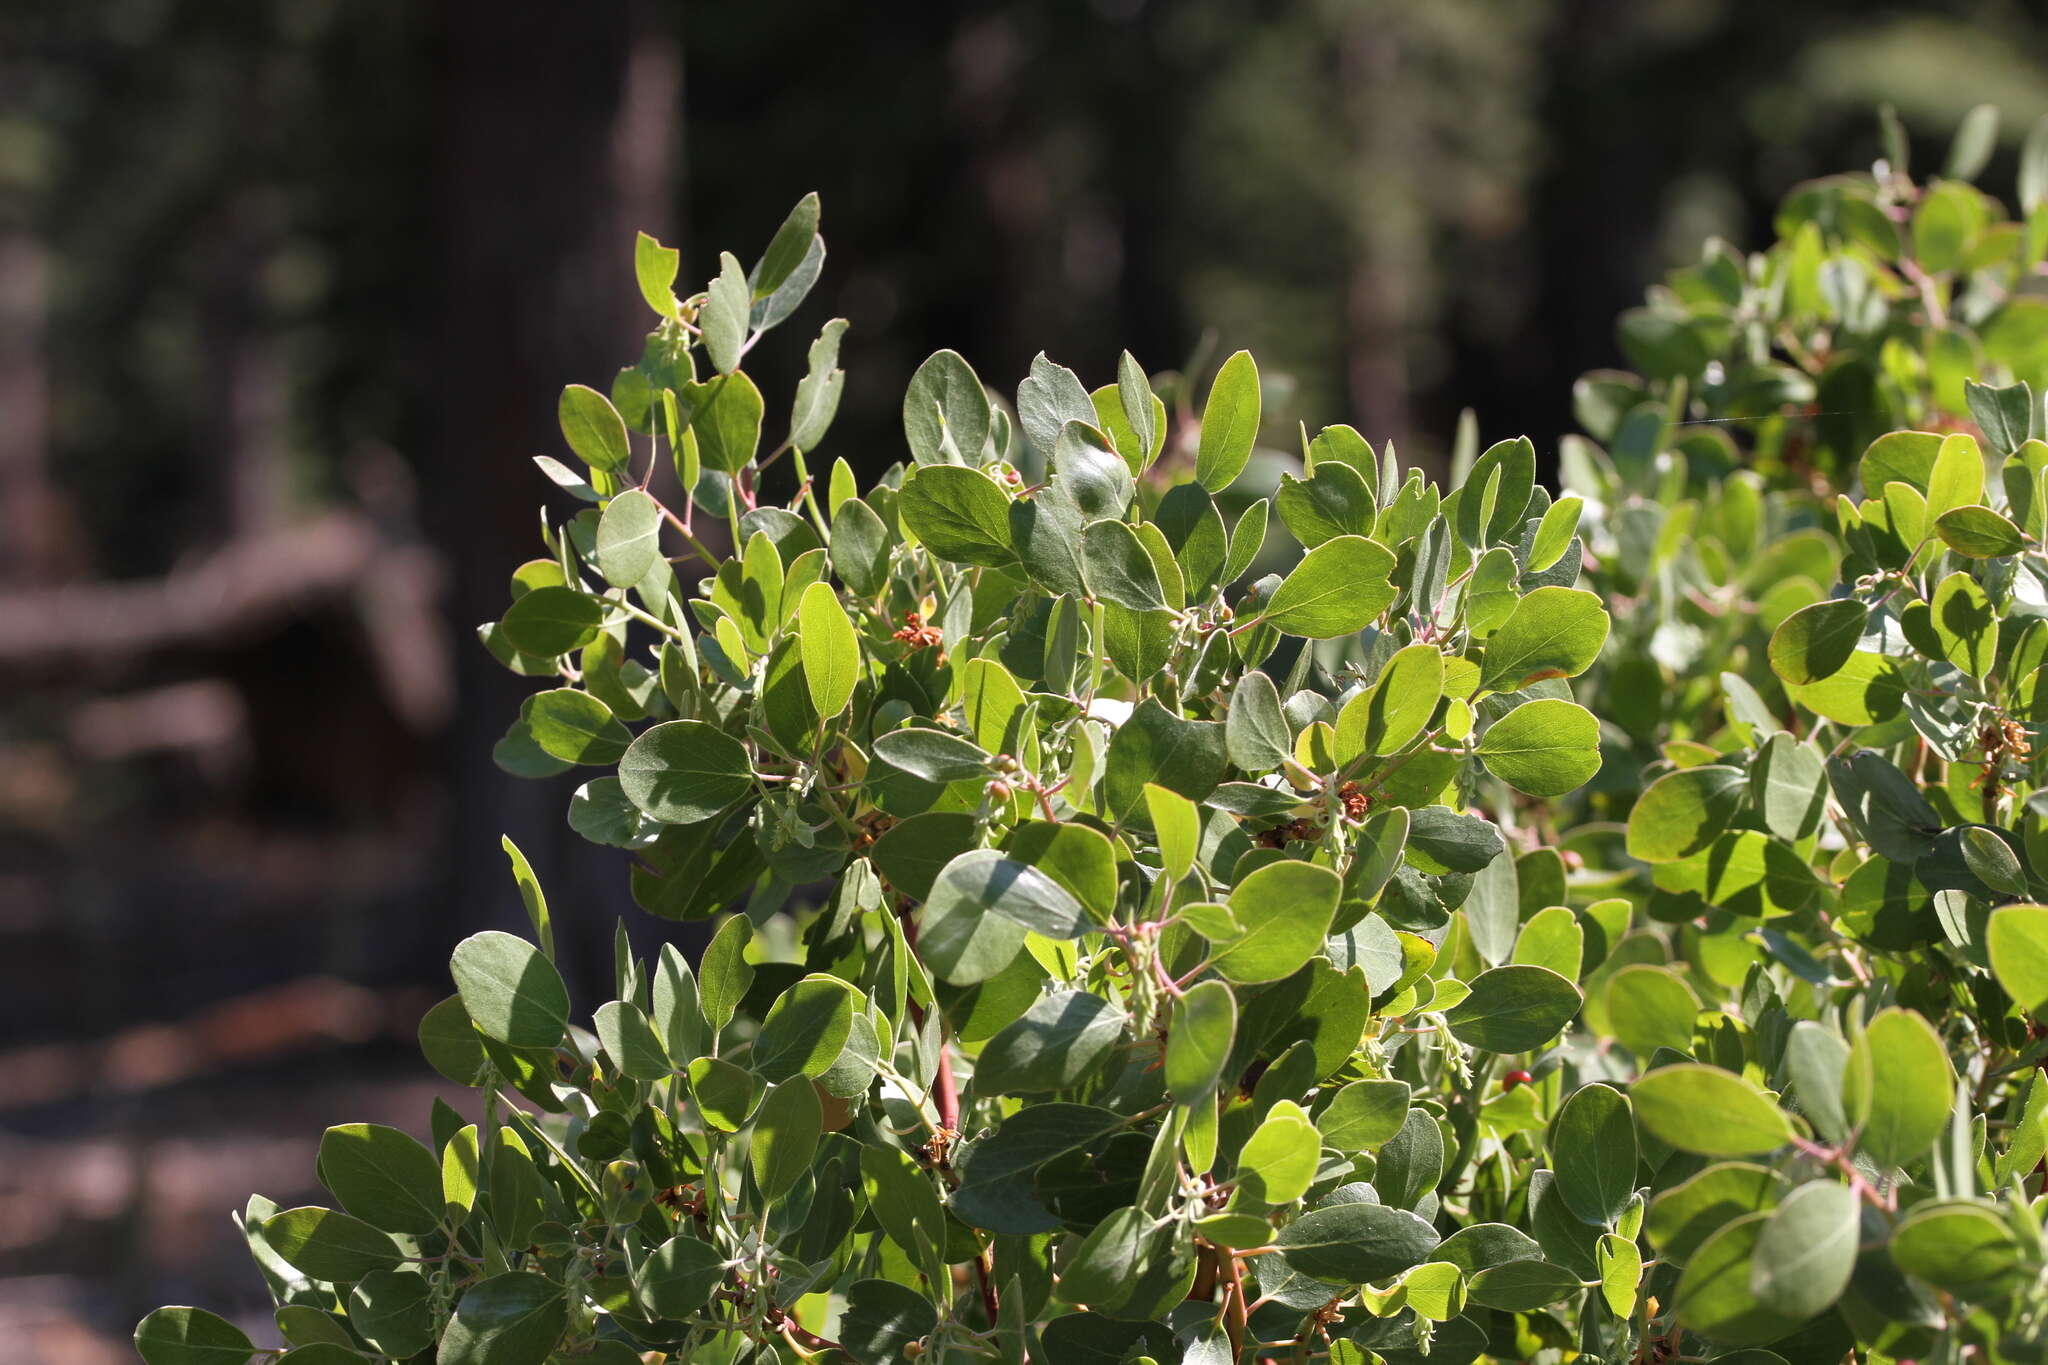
<point>1235,1316</point>
<point>988,1289</point>
<point>1204,1289</point>
<point>811,1341</point>
<point>945,1092</point>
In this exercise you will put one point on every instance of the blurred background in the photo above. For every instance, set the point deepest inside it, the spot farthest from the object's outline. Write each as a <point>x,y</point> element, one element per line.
<point>288,289</point>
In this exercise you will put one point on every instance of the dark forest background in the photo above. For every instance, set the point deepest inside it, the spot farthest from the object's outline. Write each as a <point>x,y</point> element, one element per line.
<point>288,289</point>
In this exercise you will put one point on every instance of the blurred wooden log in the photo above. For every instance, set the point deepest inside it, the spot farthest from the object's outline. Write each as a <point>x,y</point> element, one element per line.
<point>245,587</point>
<point>296,1017</point>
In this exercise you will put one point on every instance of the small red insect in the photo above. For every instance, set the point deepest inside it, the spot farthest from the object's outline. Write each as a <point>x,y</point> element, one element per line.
<point>1515,1078</point>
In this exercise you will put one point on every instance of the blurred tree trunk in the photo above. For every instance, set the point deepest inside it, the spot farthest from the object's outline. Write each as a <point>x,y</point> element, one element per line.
<point>558,138</point>
<point>37,538</point>
<point>1388,259</point>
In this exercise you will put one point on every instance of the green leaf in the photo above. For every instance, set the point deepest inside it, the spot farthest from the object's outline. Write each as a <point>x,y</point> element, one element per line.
<point>654,267</point>
<point>1975,140</point>
<point>725,415</point>
<point>1814,642</point>
<point>1523,1286</point>
<point>191,1336</point>
<point>1060,1041</point>
<point>1177,829</point>
<point>1230,424</point>
<point>960,514</point>
<point>933,755</point>
<point>984,881</point>
<point>1593,1150</point>
<point>531,895</point>
<point>1552,633</point>
<point>1546,747</point>
<point>512,1319</point>
<point>631,1042</point>
<point>902,1199</point>
<point>724,1093</point>
<point>551,621</point>
<point>2017,940</point>
<point>1077,857</point>
<point>1788,787</point>
<point>1492,591</point>
<point>1443,840</point>
<point>1957,478</point>
<point>1898,1087</point>
<point>1650,1007</point>
<point>1683,812</point>
<point>593,428</point>
<point>683,772</point>
<point>1959,1248</point>
<point>945,405</point>
<point>786,1131</point>
<point>1285,910</point>
<point>860,547</point>
<point>728,307</point>
<point>1621,1271</point>
<point>576,727</point>
<point>382,1176</point>
<point>881,1318</point>
<point>962,943</point>
<point>1806,1251</point>
<point>1386,717</point>
<point>1979,533</point>
<point>1364,1115</point>
<point>1118,569</point>
<point>1684,1216</point>
<point>1965,624</point>
<point>1554,534</point>
<point>450,1042</point>
<point>510,990</point>
<point>1412,1162</point>
<point>2007,416</point>
<point>1553,938</point>
<point>805,1029</point>
<point>1714,1296</point>
<point>817,394</point>
<point>394,1311</point>
<point>1866,692</point>
<point>1247,538</point>
<point>1340,587</point>
<point>679,1277</point>
<point>1156,746</point>
<point>1199,1039</point>
<point>600,812</point>
<point>831,650</point>
<point>1255,731</point>
<point>724,974</point>
<point>1134,395</point>
<point>325,1245</point>
<point>1050,397</point>
<point>1479,524</point>
<point>1335,501</point>
<point>2033,177</point>
<point>628,538</point>
<point>1103,1269</point>
<point>1514,1009</point>
<point>1704,1109</point>
<point>1356,1243</point>
<point>787,249</point>
<point>1279,1160</point>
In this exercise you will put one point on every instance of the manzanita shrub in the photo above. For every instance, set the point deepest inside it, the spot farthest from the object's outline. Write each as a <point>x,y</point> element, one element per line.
<point>1128,954</point>
<point>1709,470</point>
